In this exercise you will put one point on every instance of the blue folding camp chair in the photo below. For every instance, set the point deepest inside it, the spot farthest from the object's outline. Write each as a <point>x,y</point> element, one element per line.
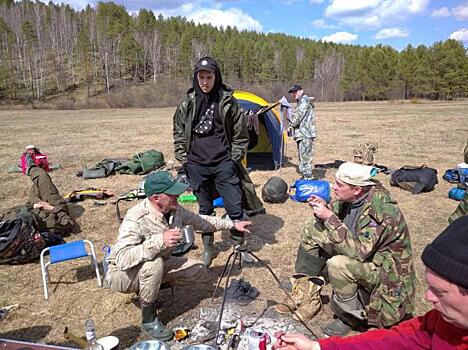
<point>64,252</point>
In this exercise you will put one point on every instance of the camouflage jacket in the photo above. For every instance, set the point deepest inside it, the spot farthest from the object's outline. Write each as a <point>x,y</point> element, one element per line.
<point>382,238</point>
<point>232,118</point>
<point>303,119</point>
<point>141,233</point>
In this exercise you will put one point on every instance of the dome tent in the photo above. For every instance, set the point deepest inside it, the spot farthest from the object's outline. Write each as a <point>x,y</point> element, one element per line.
<point>266,149</point>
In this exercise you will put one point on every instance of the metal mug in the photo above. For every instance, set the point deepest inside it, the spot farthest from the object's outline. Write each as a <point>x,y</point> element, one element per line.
<point>188,235</point>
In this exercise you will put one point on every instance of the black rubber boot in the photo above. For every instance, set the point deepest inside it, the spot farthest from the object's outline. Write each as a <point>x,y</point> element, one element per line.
<point>309,263</point>
<point>351,315</point>
<point>151,325</point>
<point>336,328</point>
<point>209,249</point>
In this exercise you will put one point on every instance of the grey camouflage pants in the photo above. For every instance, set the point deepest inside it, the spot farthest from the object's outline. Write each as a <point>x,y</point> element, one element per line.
<point>305,153</point>
<point>345,273</point>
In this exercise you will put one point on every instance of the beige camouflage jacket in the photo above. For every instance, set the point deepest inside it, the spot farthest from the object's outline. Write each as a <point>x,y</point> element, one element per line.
<point>382,238</point>
<point>141,233</point>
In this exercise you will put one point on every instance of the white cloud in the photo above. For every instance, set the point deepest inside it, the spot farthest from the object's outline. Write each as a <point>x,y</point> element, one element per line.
<point>320,23</point>
<point>442,12</point>
<point>388,33</point>
<point>340,37</point>
<point>222,18</point>
<point>347,8</point>
<point>315,1</point>
<point>461,11</point>
<point>373,13</point>
<point>461,35</point>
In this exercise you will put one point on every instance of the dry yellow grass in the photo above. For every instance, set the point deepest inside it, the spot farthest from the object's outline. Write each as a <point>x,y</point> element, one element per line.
<point>424,133</point>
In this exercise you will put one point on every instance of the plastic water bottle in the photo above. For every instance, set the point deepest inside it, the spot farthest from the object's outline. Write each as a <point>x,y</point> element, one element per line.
<point>91,336</point>
<point>105,264</point>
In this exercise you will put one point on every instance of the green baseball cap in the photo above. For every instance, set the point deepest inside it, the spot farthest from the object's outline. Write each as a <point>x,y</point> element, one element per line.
<point>163,182</point>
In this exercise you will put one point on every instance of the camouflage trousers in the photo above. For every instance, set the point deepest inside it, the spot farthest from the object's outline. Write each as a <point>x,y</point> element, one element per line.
<point>305,153</point>
<point>345,274</point>
<point>147,277</point>
<point>461,210</point>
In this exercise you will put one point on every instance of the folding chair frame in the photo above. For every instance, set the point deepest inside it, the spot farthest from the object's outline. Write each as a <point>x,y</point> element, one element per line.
<point>86,253</point>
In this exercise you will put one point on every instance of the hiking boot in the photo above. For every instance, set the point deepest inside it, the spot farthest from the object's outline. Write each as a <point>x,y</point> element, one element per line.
<point>311,301</point>
<point>209,249</point>
<point>336,328</point>
<point>151,325</point>
<point>299,283</point>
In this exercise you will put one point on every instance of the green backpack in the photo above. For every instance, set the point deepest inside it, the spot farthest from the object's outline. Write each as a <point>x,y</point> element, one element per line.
<point>142,163</point>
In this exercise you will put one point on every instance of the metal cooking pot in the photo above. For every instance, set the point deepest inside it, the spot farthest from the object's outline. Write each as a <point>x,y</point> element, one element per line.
<point>150,345</point>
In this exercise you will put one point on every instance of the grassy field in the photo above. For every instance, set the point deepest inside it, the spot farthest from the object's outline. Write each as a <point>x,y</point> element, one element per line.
<point>406,133</point>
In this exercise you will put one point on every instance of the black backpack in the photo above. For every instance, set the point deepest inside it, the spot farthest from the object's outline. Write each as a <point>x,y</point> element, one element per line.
<point>21,243</point>
<point>275,190</point>
<point>414,179</point>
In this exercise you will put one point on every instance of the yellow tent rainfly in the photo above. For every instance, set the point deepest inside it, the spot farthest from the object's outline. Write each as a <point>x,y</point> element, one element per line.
<point>266,148</point>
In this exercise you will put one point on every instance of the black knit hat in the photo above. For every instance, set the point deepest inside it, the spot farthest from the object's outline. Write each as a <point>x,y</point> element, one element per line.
<point>447,255</point>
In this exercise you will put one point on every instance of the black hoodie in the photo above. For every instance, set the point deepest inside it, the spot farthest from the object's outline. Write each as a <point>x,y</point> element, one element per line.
<point>209,145</point>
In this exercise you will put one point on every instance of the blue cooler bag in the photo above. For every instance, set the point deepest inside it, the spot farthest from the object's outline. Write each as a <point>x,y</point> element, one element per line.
<point>306,188</point>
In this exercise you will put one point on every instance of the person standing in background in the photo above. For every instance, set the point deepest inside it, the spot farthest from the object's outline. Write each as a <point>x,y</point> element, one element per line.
<point>302,125</point>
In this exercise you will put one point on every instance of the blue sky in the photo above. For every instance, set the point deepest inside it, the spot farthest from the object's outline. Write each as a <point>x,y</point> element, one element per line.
<point>364,22</point>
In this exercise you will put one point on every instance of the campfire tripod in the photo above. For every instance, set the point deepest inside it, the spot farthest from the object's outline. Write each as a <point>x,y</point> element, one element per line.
<point>237,252</point>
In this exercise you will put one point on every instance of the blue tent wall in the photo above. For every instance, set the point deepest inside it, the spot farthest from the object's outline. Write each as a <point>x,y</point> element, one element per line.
<point>272,125</point>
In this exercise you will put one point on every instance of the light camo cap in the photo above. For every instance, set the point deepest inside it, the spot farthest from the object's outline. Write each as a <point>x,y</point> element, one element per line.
<point>356,174</point>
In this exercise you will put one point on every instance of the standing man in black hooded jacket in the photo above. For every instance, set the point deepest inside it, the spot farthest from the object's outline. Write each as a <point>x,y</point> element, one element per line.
<point>210,136</point>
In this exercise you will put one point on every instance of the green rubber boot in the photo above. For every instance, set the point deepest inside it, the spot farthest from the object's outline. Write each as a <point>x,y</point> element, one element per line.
<point>209,249</point>
<point>151,325</point>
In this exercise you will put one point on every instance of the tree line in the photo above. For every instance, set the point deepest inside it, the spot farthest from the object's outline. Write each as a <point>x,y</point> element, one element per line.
<point>48,50</point>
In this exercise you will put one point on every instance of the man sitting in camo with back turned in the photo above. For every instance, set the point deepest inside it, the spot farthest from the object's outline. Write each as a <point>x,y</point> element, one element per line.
<point>363,239</point>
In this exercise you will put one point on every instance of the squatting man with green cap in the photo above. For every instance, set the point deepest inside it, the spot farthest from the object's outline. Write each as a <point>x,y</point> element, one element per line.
<point>363,240</point>
<point>141,259</point>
